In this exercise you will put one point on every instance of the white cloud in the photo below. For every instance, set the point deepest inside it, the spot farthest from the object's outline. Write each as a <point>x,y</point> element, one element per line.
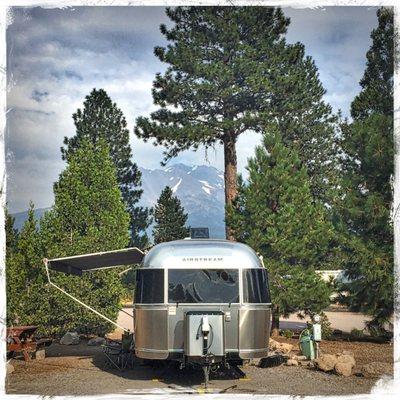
<point>57,56</point>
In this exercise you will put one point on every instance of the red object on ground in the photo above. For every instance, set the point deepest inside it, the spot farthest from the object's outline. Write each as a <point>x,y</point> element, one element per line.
<point>20,340</point>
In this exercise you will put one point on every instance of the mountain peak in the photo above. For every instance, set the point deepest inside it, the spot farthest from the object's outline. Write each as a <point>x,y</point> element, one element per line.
<point>199,187</point>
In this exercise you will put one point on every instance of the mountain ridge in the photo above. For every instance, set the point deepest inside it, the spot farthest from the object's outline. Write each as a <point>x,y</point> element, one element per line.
<point>200,189</point>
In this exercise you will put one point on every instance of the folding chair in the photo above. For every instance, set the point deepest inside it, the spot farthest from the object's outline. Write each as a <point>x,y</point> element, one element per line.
<point>112,352</point>
<point>119,354</point>
<point>127,348</point>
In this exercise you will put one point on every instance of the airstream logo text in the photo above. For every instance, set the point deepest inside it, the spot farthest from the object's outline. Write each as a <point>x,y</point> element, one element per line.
<point>209,259</point>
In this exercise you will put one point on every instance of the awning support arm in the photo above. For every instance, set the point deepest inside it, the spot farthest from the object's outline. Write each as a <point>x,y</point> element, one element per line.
<point>79,301</point>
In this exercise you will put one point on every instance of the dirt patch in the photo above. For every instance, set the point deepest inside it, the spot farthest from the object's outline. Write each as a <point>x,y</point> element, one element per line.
<point>79,370</point>
<point>364,352</point>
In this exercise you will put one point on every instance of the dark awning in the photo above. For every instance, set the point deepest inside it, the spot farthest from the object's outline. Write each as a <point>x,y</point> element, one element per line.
<point>75,265</point>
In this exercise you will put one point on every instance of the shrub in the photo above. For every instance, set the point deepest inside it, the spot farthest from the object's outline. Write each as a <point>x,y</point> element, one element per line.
<point>287,333</point>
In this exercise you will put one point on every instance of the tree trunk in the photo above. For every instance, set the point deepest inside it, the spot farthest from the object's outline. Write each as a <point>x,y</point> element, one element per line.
<point>230,174</point>
<point>275,321</point>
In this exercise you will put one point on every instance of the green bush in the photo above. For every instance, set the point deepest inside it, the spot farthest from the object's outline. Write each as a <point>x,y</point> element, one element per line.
<point>287,333</point>
<point>357,333</point>
<point>326,330</point>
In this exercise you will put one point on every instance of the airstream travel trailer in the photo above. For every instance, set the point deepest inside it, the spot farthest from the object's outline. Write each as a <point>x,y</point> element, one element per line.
<point>201,301</point>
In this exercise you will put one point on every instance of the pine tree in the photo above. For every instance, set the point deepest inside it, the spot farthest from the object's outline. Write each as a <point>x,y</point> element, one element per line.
<point>275,214</point>
<point>367,183</point>
<point>26,291</point>
<point>231,71</point>
<point>88,216</point>
<point>11,233</point>
<point>101,118</point>
<point>170,218</point>
<point>15,276</point>
<point>376,96</point>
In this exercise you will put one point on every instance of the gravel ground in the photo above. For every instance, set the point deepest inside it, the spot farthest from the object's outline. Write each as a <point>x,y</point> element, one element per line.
<point>78,370</point>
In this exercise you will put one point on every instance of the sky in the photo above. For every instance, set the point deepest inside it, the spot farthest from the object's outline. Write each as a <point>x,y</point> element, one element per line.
<point>55,57</point>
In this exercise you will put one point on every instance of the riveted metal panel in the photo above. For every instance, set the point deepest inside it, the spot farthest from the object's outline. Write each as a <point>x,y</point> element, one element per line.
<point>151,332</point>
<point>194,345</point>
<point>201,253</point>
<point>254,327</point>
<point>176,322</point>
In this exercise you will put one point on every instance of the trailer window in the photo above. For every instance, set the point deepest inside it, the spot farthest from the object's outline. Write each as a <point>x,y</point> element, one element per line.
<point>203,286</point>
<point>255,286</point>
<point>149,286</point>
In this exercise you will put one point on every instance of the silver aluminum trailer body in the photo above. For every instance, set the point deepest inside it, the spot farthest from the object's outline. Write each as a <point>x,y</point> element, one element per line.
<point>197,301</point>
<point>201,276</point>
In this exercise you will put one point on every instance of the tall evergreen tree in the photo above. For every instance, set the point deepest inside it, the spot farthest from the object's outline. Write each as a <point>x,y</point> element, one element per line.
<point>11,233</point>
<point>102,119</point>
<point>376,96</point>
<point>276,215</point>
<point>231,71</point>
<point>170,218</point>
<point>26,293</point>
<point>15,276</point>
<point>367,183</point>
<point>88,216</point>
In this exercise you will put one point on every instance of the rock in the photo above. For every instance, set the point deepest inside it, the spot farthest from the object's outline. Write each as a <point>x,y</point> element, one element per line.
<point>278,347</point>
<point>70,338</point>
<point>292,362</point>
<point>299,358</point>
<point>347,353</point>
<point>376,369</point>
<point>40,354</point>
<point>10,368</point>
<point>346,359</point>
<point>272,344</point>
<point>326,362</point>
<point>305,364</point>
<point>96,341</point>
<point>344,368</point>
<point>272,361</point>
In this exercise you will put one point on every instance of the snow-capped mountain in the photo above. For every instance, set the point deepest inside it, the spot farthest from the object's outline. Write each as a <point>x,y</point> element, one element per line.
<point>200,189</point>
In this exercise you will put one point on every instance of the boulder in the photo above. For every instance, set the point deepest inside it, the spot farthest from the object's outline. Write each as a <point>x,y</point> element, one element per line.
<point>344,368</point>
<point>272,344</point>
<point>278,347</point>
<point>272,361</point>
<point>70,338</point>
<point>346,359</point>
<point>326,362</point>
<point>305,363</point>
<point>376,369</point>
<point>96,341</point>
<point>292,362</point>
<point>299,358</point>
<point>10,368</point>
<point>40,354</point>
<point>347,353</point>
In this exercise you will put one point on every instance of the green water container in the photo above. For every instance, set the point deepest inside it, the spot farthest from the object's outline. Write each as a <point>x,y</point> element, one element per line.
<point>306,345</point>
